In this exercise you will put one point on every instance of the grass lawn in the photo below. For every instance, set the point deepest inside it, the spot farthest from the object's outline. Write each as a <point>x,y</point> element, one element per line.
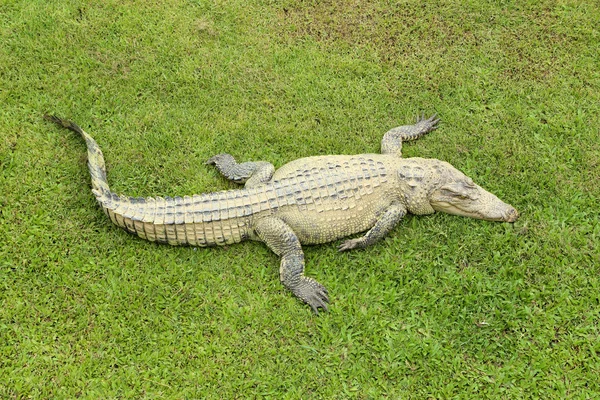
<point>445,307</point>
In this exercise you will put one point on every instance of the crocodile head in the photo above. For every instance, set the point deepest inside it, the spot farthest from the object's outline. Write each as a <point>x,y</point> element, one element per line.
<point>458,195</point>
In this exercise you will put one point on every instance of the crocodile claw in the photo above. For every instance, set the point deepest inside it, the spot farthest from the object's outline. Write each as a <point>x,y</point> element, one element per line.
<point>218,158</point>
<point>350,244</point>
<point>312,293</point>
<point>426,125</point>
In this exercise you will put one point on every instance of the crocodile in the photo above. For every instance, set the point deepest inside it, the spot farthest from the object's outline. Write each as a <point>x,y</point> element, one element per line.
<point>308,201</point>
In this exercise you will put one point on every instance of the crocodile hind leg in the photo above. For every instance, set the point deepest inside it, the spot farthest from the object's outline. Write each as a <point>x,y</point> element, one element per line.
<point>282,240</point>
<point>392,140</point>
<point>251,173</point>
<point>386,222</point>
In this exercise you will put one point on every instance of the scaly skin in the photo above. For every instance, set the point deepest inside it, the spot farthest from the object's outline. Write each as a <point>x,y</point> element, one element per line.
<point>307,201</point>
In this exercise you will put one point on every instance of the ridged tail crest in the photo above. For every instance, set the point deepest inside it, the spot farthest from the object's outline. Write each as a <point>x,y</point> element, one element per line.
<point>95,158</point>
<point>218,218</point>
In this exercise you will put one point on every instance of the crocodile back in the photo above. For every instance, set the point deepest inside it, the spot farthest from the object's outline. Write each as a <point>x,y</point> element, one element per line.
<point>329,197</point>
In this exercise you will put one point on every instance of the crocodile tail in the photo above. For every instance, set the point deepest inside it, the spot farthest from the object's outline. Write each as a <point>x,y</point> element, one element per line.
<point>95,158</point>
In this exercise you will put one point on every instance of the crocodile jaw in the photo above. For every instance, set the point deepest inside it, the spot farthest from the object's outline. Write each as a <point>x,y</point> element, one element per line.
<point>469,200</point>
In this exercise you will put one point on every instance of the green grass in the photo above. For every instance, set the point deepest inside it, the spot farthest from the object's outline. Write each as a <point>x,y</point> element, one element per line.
<point>445,307</point>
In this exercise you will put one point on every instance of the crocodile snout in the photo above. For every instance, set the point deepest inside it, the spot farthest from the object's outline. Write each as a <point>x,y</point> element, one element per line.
<point>511,215</point>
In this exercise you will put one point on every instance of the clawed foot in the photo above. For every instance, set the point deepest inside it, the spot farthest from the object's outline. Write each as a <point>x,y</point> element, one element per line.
<point>312,293</point>
<point>220,159</point>
<point>427,125</point>
<point>350,244</point>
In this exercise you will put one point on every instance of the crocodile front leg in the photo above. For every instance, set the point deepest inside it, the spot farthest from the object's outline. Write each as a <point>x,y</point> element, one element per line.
<point>392,140</point>
<point>388,220</point>
<point>282,240</point>
<point>251,173</point>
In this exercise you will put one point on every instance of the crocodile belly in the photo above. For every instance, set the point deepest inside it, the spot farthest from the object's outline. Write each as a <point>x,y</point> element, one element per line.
<point>321,227</point>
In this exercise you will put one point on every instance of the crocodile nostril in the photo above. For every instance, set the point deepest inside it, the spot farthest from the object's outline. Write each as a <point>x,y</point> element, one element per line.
<point>511,215</point>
